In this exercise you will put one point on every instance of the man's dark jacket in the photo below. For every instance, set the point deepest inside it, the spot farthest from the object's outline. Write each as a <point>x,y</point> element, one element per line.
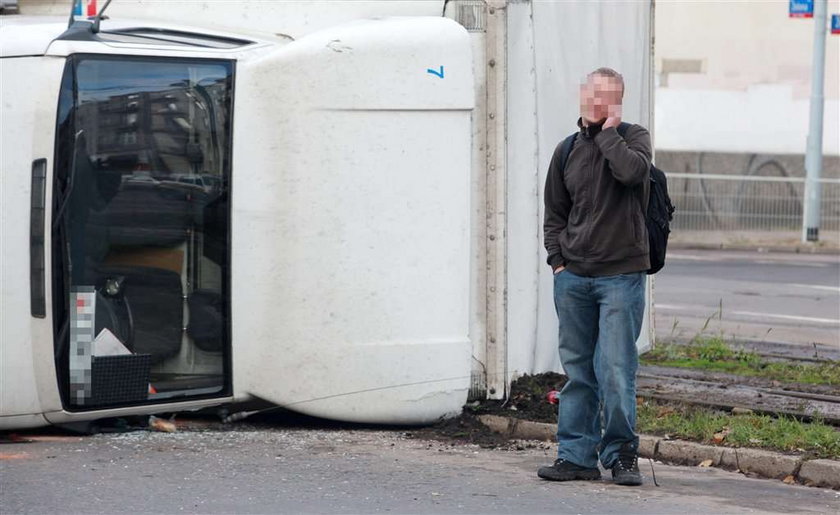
<point>595,208</point>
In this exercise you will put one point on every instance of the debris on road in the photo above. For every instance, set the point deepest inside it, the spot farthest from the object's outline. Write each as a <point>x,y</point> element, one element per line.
<point>161,425</point>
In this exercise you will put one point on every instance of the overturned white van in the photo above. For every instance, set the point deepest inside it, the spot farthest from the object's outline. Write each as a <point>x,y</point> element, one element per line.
<point>191,218</point>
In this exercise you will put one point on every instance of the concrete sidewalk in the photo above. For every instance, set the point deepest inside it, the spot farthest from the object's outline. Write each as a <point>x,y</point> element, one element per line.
<point>761,241</point>
<point>758,462</point>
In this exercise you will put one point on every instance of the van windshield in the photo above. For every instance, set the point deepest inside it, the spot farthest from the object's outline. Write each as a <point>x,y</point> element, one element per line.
<point>141,210</point>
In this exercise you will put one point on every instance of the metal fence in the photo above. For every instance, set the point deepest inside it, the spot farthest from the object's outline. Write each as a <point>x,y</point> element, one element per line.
<point>707,202</point>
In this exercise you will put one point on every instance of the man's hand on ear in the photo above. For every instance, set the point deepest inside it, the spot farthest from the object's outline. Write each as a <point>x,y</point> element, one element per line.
<point>612,121</point>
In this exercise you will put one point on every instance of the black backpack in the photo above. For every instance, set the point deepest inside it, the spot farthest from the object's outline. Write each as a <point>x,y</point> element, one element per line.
<point>660,210</point>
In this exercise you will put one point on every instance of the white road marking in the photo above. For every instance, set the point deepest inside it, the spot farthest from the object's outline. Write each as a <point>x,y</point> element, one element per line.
<point>680,307</point>
<point>790,263</point>
<point>788,317</point>
<point>711,310</point>
<point>721,258</point>
<point>692,257</point>
<point>835,289</point>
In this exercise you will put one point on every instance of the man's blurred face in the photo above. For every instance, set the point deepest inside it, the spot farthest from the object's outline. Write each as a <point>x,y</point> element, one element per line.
<point>600,98</point>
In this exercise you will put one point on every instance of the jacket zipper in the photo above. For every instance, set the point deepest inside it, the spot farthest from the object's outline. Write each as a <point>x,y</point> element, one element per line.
<point>592,156</point>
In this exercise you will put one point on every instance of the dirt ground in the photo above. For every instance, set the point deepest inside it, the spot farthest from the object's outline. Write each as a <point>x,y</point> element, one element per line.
<point>528,400</point>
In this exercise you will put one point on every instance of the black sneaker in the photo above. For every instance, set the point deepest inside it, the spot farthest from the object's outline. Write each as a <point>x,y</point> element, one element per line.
<point>563,470</point>
<point>625,470</point>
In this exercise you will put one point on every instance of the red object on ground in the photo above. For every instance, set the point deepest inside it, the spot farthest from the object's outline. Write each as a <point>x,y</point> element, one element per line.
<point>553,396</point>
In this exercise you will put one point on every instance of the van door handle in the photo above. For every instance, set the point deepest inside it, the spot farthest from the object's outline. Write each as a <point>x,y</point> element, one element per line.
<point>37,259</point>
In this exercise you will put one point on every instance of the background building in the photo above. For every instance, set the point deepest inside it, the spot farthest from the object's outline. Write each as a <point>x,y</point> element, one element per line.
<point>736,77</point>
<point>732,98</point>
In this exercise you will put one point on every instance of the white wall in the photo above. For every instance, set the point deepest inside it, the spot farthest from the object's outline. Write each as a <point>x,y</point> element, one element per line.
<point>762,118</point>
<point>552,46</point>
<point>750,93</point>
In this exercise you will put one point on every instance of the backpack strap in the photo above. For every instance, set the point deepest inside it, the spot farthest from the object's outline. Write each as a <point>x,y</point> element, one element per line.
<point>566,149</point>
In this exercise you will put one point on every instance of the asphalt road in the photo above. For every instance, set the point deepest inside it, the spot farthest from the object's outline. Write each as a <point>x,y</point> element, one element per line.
<point>288,470</point>
<point>775,297</point>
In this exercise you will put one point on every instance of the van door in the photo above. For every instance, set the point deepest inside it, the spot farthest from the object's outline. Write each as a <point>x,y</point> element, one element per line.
<point>141,248</point>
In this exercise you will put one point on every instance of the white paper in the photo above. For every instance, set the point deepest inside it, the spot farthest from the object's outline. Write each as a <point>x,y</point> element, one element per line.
<point>106,344</point>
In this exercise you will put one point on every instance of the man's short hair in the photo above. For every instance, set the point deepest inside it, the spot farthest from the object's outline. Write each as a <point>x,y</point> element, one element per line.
<point>608,72</point>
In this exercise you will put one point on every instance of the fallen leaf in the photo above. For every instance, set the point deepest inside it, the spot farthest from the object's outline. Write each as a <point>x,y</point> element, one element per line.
<point>705,463</point>
<point>789,479</point>
<point>665,411</point>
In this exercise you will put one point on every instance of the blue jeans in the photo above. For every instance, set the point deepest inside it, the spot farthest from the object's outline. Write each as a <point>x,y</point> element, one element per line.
<point>600,321</point>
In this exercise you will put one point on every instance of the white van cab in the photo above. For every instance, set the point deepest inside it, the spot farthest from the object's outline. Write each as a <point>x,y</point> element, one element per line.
<point>191,218</point>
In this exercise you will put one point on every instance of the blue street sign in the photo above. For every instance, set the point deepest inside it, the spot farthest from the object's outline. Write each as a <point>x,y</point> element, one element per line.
<point>801,9</point>
<point>835,23</point>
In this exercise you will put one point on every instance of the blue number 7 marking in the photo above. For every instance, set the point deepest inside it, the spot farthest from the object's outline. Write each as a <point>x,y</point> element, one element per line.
<point>435,72</point>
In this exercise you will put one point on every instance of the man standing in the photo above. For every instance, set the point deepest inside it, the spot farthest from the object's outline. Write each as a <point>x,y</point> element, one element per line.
<point>597,247</point>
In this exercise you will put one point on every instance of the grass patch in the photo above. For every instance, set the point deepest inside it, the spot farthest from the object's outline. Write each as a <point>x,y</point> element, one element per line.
<point>713,353</point>
<point>690,422</point>
<point>716,427</point>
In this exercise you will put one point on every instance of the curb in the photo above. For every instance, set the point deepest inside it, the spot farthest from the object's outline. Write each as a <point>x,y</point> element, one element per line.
<point>790,249</point>
<point>758,462</point>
